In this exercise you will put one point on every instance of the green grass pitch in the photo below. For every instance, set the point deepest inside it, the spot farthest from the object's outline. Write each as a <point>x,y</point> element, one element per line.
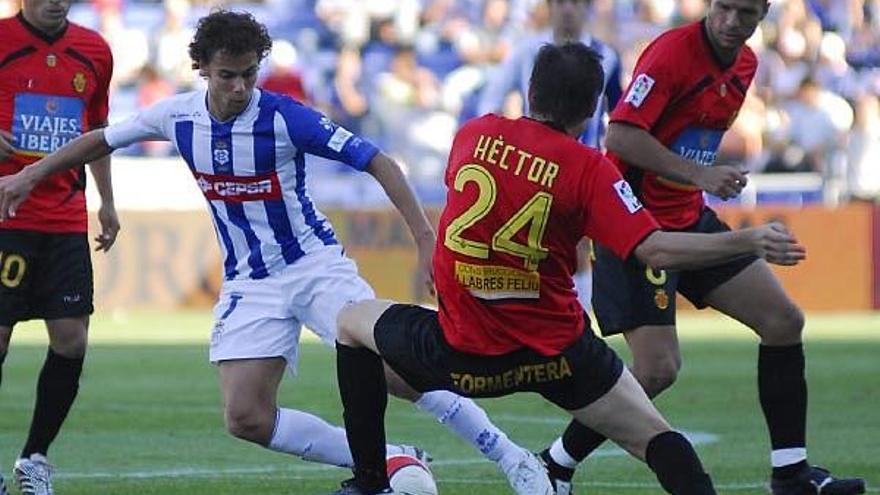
<point>148,419</point>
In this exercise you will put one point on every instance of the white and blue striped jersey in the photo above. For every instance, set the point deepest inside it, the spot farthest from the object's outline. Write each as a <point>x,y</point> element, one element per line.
<point>251,170</point>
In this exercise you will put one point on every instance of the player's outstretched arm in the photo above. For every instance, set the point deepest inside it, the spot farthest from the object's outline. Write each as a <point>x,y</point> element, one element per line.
<point>639,148</point>
<point>391,178</point>
<point>684,251</point>
<point>14,189</point>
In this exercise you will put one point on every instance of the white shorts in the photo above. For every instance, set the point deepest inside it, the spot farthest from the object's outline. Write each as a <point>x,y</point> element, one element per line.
<point>263,318</point>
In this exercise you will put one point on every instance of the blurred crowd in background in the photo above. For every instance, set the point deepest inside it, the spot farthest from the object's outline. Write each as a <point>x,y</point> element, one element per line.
<point>405,73</point>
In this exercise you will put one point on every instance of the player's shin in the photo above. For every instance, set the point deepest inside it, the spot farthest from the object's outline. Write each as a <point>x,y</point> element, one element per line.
<point>678,469</point>
<point>364,398</point>
<point>470,422</point>
<point>56,390</point>
<point>782,390</point>
<point>310,437</point>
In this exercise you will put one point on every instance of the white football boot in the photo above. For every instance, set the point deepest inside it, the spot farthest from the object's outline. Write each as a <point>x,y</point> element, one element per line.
<point>33,476</point>
<point>529,476</point>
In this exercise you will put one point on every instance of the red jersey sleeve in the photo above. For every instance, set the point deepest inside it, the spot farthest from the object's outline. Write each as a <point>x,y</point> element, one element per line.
<point>99,106</point>
<point>614,216</point>
<point>654,84</point>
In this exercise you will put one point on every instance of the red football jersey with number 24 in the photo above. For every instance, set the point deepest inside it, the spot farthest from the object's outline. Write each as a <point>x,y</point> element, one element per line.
<point>521,195</point>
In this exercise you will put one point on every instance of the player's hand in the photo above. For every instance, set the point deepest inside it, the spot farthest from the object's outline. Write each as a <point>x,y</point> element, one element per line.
<point>777,245</point>
<point>109,227</point>
<point>723,181</point>
<point>14,189</point>
<point>7,149</point>
<point>425,268</point>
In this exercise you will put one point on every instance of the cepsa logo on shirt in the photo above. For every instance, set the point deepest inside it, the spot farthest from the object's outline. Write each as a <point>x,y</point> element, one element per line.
<point>239,189</point>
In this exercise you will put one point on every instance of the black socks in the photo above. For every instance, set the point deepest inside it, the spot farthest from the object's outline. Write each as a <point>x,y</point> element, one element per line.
<point>56,390</point>
<point>782,390</point>
<point>678,469</point>
<point>580,441</point>
<point>364,394</point>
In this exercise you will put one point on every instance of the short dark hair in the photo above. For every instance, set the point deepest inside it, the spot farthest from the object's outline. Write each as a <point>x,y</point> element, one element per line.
<point>232,32</point>
<point>566,83</point>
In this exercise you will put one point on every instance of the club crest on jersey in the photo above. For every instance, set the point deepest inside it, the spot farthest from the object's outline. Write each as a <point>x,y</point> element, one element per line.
<point>221,153</point>
<point>625,192</point>
<point>639,90</point>
<point>51,60</point>
<point>79,82</point>
<point>661,299</point>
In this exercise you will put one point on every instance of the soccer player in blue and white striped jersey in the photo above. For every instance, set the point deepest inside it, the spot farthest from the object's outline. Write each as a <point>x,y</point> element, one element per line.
<point>283,265</point>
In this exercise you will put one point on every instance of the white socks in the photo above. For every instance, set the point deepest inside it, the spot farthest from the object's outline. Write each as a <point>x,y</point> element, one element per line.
<point>469,421</point>
<point>313,439</point>
<point>560,455</point>
<point>787,457</point>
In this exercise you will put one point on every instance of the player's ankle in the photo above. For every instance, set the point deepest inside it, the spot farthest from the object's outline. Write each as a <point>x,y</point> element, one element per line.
<point>789,471</point>
<point>556,470</point>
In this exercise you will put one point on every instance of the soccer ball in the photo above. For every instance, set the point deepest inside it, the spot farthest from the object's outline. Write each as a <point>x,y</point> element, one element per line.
<point>409,476</point>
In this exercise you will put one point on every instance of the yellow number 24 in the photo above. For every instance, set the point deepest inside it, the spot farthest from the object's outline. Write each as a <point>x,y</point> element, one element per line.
<point>533,214</point>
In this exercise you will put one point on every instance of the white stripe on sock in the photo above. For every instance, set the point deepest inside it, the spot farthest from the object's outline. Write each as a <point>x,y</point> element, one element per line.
<point>787,457</point>
<point>558,453</point>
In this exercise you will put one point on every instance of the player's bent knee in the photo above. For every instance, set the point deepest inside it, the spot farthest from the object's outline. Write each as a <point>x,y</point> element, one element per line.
<point>72,348</point>
<point>783,327</point>
<point>249,424</point>
<point>69,338</point>
<point>398,387</point>
<point>658,376</point>
<point>347,324</point>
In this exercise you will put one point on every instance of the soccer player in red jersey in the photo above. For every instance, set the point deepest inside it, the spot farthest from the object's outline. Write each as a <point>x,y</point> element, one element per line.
<point>686,90</point>
<point>522,193</point>
<point>54,78</point>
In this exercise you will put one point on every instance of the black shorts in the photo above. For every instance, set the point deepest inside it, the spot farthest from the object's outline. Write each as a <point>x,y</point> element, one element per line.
<point>43,275</point>
<point>628,294</point>
<point>411,341</point>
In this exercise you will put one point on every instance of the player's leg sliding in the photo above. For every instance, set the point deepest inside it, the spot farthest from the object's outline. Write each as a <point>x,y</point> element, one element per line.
<point>470,422</point>
<point>524,471</point>
<point>644,433</point>
<point>311,438</point>
<point>656,362</point>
